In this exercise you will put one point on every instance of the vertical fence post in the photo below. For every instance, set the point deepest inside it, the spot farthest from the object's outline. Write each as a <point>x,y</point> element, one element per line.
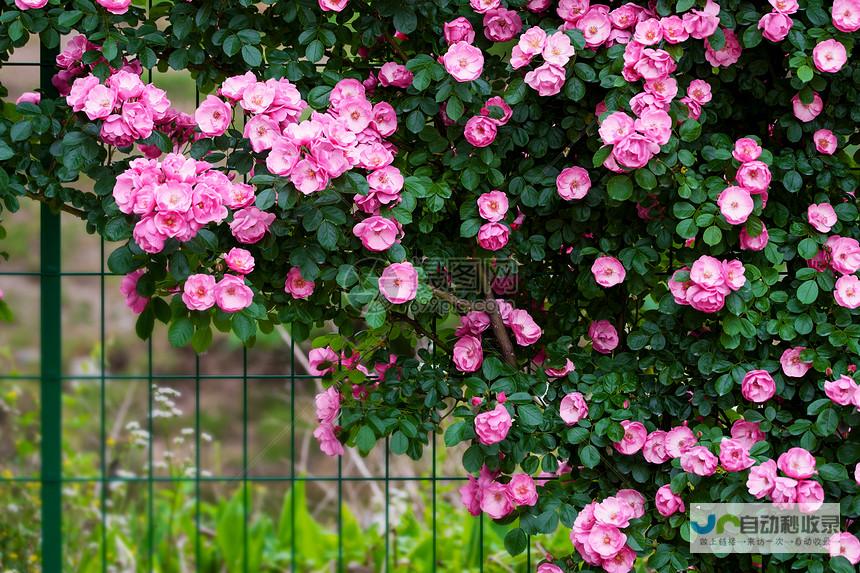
<point>51,366</point>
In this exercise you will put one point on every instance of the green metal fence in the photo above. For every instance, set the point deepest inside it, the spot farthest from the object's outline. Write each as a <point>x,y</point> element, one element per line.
<point>51,478</point>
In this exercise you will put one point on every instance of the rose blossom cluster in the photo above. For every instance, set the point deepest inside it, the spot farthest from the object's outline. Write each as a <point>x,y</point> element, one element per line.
<point>327,405</point>
<point>468,352</point>
<point>493,207</point>
<point>202,292</point>
<point>753,177</point>
<point>795,486</point>
<point>709,282</point>
<point>486,494</point>
<point>597,531</point>
<point>840,254</point>
<point>127,108</point>
<point>481,130</point>
<point>112,6</point>
<point>177,196</point>
<point>555,49</point>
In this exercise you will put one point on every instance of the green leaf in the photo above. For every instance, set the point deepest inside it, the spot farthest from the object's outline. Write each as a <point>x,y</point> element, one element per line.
<point>252,56</point>
<point>145,323</point>
<point>620,188</point>
<point>530,415</point>
<point>121,261</point>
<point>244,327</point>
<point>840,564</point>
<point>826,423</point>
<point>807,292</point>
<point>805,74</point>
<point>405,21</point>
<point>807,248</point>
<point>365,439</point>
<point>399,443</point>
<point>574,89</point>
<point>454,433</point>
<point>375,314</point>
<point>492,368</point>
<point>690,130</point>
<point>201,340</point>
<point>265,199</point>
<point>415,121</point>
<point>314,51</point>
<point>833,472</point>
<point>327,235</point>
<point>454,108</point>
<point>589,456</point>
<point>516,541</point>
<point>179,333</point>
<point>792,181</point>
<point>21,130</point>
<point>577,435</point>
<point>687,229</point>
<point>713,235</point>
<point>684,5</point>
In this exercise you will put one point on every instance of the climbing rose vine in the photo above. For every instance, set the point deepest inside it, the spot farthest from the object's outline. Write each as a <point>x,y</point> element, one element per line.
<point>608,251</point>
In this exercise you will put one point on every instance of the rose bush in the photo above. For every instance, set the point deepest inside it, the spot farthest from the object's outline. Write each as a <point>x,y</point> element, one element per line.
<point>629,232</point>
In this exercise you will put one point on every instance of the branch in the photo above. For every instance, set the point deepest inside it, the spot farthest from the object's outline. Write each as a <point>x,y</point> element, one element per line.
<point>452,299</point>
<point>498,326</point>
<point>421,330</point>
<point>62,206</point>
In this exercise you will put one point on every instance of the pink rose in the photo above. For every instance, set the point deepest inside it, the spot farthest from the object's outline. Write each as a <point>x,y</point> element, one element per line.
<point>679,440</point>
<point>699,91</point>
<point>700,461</point>
<point>573,183</point>
<point>548,568</point>
<point>239,261</point>
<point>829,56</point>
<point>654,449</point>
<point>376,233</point>
<point>493,206</point>
<point>613,511</point>
<point>296,286</point>
<point>754,176</point>
<point>483,6</point>
<point>532,42</point>
<point>474,322</point>
<point>399,282</point>
<point>497,101</point>
<point>547,79</point>
<point>847,292</point>
<point>621,562</point>
<point>232,295</point>
<point>634,438</point>
<point>606,540</point>
<point>395,75</point>
<point>128,287</point>
<point>746,433</point>
<point>746,150</point>
<point>707,272</point>
<point>463,61</point>
<point>501,24</point>
<point>198,292</point>
<point>459,30</point>
<point>615,127</point>
<point>845,544</point>
<point>785,6</point>
<point>784,492</point>
<point>844,254</point>
<point>797,463</point>
<point>332,5</point>
<point>604,337</point>
<point>821,216</point>
<point>470,496</point>
<point>213,116</point>
<point>758,386</point>
<point>29,97</point>
<point>560,372</point>
<point>728,55</point>
<point>654,64</point>
<point>329,444</point>
<point>648,32</point>
<point>495,501</point>
<point>558,50</point>
<point>706,299</point>
<point>573,408</point>
<point>322,361</point>
<point>608,271</point>
<point>522,490</point>
<point>806,112</point>
<point>825,141</point>
<point>846,15</point>
<point>147,235</point>
<point>250,224</point>
<point>635,151</point>
<point>327,404</point>
<point>526,331</point>
<point>750,243</point>
<point>493,236</point>
<point>493,426</point>
<point>736,204</point>
<point>595,25</point>
<point>30,4</point>
<point>762,479</point>
<point>703,23</point>
<point>775,26</point>
<point>115,6</point>
<point>810,495</point>
<point>100,102</point>
<point>667,502</point>
<point>842,390</point>
<point>480,131</point>
<point>792,365</point>
<point>468,354</point>
<point>733,272</point>
<point>735,455</point>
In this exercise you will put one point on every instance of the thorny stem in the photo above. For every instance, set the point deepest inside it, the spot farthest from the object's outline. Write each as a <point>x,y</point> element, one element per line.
<point>498,326</point>
<point>58,204</point>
